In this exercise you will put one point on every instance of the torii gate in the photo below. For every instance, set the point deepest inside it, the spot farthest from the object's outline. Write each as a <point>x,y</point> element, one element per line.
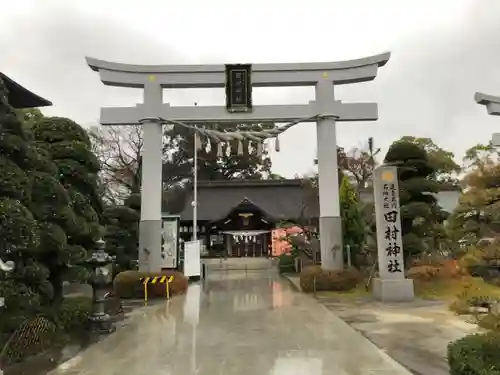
<point>324,76</point>
<point>492,104</point>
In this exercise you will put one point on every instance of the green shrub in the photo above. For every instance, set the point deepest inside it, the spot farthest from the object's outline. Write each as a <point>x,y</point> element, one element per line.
<point>15,148</point>
<point>48,190</point>
<point>59,129</point>
<point>128,284</point>
<point>18,229</point>
<point>476,354</point>
<point>73,313</point>
<point>75,150</point>
<point>471,295</point>
<point>314,278</point>
<point>286,263</point>
<point>14,183</point>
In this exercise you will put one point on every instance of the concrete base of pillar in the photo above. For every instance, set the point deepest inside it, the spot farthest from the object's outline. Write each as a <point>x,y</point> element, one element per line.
<point>330,235</point>
<point>150,246</point>
<point>393,290</point>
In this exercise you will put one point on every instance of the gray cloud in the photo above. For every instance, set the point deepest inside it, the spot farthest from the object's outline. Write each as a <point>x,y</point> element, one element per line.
<point>50,58</point>
<point>428,86</point>
<point>426,89</point>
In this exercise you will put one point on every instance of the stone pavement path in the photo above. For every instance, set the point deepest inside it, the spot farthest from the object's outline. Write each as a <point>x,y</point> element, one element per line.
<point>236,323</point>
<point>416,334</point>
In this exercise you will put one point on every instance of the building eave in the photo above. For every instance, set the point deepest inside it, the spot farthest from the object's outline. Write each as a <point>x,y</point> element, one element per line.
<point>20,97</point>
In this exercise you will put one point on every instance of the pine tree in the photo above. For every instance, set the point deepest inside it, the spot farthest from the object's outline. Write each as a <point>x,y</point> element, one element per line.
<point>420,212</point>
<point>19,231</point>
<point>78,210</point>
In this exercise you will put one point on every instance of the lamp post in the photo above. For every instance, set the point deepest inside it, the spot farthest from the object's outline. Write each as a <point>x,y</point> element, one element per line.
<point>100,262</point>
<point>195,185</point>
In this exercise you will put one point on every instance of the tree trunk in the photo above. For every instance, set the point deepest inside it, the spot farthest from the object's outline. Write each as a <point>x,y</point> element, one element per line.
<point>56,279</point>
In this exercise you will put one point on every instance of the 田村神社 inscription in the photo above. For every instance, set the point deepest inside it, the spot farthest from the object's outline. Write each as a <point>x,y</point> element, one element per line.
<point>389,238</point>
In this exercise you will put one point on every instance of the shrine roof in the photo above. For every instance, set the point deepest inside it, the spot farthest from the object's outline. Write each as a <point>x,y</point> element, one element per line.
<point>20,97</point>
<point>280,199</point>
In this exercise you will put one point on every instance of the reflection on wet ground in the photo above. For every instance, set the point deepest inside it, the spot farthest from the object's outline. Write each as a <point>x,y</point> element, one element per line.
<point>234,323</point>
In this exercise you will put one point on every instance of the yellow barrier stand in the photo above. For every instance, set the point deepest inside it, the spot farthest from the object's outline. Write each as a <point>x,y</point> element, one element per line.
<point>154,280</point>
<point>167,286</point>
<point>145,283</point>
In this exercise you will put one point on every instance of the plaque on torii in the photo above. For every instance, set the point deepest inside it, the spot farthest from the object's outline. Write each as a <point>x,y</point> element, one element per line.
<point>238,87</point>
<point>324,110</point>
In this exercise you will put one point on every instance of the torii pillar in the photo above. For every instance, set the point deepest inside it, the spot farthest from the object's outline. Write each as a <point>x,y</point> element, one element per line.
<point>492,104</point>
<point>324,76</point>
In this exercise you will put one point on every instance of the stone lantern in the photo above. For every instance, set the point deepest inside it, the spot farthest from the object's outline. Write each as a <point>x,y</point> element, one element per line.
<point>100,264</point>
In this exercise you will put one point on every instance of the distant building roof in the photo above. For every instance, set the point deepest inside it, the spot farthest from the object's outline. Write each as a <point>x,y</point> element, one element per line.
<point>20,97</point>
<point>280,199</point>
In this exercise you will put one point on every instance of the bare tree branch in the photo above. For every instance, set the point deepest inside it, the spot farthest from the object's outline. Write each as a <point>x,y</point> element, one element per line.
<point>119,149</point>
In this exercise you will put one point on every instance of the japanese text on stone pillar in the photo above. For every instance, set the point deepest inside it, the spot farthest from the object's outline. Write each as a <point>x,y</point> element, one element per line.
<point>389,236</point>
<point>392,229</point>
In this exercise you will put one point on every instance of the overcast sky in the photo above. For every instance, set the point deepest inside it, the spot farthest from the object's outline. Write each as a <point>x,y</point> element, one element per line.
<point>443,51</point>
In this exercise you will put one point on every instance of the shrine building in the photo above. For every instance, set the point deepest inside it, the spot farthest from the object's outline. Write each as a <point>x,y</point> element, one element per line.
<point>236,217</point>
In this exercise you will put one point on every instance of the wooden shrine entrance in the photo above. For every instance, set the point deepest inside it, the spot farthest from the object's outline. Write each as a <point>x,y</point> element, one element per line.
<point>247,231</point>
<point>248,244</point>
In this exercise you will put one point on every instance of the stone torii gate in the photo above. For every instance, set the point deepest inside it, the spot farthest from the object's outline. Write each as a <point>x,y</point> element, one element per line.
<point>492,104</point>
<point>152,112</point>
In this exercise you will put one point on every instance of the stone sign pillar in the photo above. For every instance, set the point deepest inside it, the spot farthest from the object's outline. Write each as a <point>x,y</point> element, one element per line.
<point>391,285</point>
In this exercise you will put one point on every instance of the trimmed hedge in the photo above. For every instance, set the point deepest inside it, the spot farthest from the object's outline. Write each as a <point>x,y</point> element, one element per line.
<point>423,272</point>
<point>314,278</point>
<point>73,313</point>
<point>476,354</point>
<point>286,263</point>
<point>128,284</point>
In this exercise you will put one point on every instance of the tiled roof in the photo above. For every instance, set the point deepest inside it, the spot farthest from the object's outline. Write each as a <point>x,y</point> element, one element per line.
<point>20,97</point>
<point>280,199</point>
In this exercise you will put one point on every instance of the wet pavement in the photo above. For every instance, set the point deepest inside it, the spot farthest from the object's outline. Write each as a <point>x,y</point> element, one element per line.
<point>416,333</point>
<point>235,323</point>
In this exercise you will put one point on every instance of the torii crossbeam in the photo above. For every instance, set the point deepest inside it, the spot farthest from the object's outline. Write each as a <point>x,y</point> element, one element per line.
<point>154,78</point>
<point>492,104</point>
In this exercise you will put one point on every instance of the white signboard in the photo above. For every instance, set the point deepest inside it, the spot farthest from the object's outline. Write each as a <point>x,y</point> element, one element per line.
<point>2,301</point>
<point>192,260</point>
<point>388,219</point>
<point>170,241</point>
